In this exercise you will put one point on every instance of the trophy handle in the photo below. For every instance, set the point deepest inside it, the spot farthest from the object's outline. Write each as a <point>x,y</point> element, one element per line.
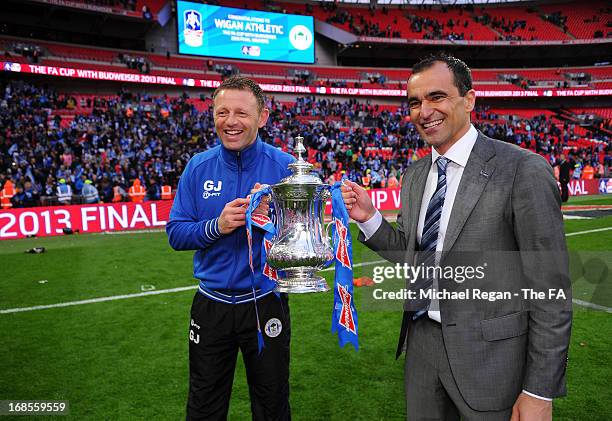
<point>329,241</point>
<point>328,237</point>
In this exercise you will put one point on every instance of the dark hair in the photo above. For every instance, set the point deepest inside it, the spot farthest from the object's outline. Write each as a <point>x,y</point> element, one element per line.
<point>462,74</point>
<point>242,83</point>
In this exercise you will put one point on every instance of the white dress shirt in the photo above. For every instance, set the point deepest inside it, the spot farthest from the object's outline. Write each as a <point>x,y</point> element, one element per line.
<point>458,155</point>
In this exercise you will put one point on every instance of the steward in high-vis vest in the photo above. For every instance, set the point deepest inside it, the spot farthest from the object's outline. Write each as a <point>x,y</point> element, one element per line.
<point>137,192</point>
<point>366,180</point>
<point>90,192</point>
<point>166,192</point>
<point>64,192</point>
<point>6,194</point>
<point>588,172</point>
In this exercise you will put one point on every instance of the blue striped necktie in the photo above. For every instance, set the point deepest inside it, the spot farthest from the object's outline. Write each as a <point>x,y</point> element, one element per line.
<point>429,239</point>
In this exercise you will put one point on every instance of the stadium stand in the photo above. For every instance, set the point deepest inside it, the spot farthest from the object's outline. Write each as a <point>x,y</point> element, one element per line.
<point>582,20</point>
<point>519,23</point>
<point>58,54</point>
<point>457,23</point>
<point>469,22</point>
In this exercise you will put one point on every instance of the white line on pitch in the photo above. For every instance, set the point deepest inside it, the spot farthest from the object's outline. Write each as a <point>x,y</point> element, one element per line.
<point>97,300</point>
<point>130,232</point>
<point>588,231</point>
<point>591,305</point>
<point>125,296</point>
<point>356,265</point>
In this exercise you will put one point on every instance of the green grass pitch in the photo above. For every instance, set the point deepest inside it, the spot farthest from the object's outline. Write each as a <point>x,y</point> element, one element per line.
<point>127,359</point>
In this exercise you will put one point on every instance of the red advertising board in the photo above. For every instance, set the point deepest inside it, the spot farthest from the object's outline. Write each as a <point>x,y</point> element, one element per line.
<point>383,199</point>
<point>46,221</point>
<point>389,199</point>
<point>605,185</point>
<point>583,187</point>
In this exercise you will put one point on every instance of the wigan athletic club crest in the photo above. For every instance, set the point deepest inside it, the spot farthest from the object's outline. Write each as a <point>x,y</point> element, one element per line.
<point>192,23</point>
<point>273,328</point>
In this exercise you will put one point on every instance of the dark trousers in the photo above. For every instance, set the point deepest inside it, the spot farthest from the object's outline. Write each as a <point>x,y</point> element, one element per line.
<point>216,332</point>
<point>564,190</point>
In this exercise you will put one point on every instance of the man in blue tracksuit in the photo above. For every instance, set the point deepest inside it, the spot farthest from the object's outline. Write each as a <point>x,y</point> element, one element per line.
<point>208,215</point>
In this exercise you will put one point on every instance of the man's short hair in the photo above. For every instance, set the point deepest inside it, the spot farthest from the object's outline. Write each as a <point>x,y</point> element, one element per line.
<point>462,75</point>
<point>242,83</point>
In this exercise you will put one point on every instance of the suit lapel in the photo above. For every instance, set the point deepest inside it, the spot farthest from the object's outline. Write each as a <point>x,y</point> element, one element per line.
<point>415,196</point>
<point>478,170</point>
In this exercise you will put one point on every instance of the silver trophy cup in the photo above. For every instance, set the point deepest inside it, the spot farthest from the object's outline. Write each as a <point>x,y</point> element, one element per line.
<point>301,246</point>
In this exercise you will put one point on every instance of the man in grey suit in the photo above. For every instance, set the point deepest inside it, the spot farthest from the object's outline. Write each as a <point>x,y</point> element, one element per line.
<point>475,198</point>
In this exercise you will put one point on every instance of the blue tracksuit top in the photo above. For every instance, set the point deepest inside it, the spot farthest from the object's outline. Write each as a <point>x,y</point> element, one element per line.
<point>210,180</point>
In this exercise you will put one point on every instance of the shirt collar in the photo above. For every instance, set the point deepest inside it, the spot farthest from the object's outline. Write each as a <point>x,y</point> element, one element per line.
<point>460,151</point>
<point>248,155</point>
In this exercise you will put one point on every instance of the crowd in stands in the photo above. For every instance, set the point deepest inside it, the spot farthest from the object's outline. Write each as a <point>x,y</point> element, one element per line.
<point>302,77</point>
<point>146,12</point>
<point>139,63</point>
<point>558,19</point>
<point>434,29</point>
<point>599,33</point>
<point>124,138</point>
<point>134,147</point>
<point>360,25</point>
<point>225,70</point>
<point>506,26</point>
<point>28,50</point>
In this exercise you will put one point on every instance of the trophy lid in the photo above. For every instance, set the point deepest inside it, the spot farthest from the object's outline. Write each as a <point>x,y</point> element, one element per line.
<point>302,170</point>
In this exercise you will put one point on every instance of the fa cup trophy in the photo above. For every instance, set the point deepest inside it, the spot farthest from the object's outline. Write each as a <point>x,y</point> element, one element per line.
<point>301,246</point>
<point>297,245</point>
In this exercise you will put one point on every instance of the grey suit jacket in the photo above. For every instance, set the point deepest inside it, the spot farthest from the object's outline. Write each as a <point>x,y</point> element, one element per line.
<point>507,213</point>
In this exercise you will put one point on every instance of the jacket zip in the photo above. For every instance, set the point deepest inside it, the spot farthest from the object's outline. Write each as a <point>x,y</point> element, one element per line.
<point>236,239</point>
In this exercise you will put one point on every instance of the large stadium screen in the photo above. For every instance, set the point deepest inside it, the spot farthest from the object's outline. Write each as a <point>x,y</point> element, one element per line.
<point>244,34</point>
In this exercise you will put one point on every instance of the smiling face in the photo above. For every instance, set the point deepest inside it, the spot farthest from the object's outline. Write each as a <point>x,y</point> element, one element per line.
<point>440,114</point>
<point>237,118</point>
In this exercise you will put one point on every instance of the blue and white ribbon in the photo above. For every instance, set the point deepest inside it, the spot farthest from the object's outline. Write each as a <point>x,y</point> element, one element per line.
<point>271,275</point>
<point>344,314</point>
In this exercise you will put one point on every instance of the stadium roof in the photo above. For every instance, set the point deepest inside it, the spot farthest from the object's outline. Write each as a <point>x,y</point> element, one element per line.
<point>419,2</point>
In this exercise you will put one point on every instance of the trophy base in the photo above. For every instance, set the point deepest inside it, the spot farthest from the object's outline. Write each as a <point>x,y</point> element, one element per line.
<point>301,280</point>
